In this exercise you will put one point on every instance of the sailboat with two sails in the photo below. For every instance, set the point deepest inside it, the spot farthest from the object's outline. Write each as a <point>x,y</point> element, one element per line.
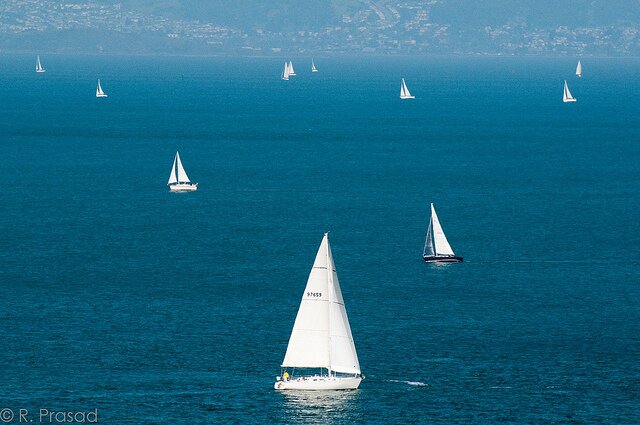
<point>99,91</point>
<point>321,354</point>
<point>566,94</point>
<point>436,245</point>
<point>39,67</point>
<point>404,91</point>
<point>178,180</point>
<point>313,66</point>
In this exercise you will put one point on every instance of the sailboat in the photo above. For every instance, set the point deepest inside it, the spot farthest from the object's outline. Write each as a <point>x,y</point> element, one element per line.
<point>436,245</point>
<point>99,91</point>
<point>321,338</point>
<point>39,67</point>
<point>579,70</point>
<point>291,71</point>
<point>313,66</point>
<point>178,180</point>
<point>566,94</point>
<point>285,72</point>
<point>404,91</point>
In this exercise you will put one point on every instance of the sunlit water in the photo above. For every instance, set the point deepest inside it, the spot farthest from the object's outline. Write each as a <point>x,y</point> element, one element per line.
<point>176,308</point>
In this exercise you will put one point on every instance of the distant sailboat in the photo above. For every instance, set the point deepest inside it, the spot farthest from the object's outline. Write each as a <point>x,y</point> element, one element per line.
<point>99,91</point>
<point>285,72</point>
<point>436,245</point>
<point>39,67</point>
<point>579,69</point>
<point>291,71</point>
<point>566,94</point>
<point>404,91</point>
<point>321,336</point>
<point>313,67</point>
<point>178,180</point>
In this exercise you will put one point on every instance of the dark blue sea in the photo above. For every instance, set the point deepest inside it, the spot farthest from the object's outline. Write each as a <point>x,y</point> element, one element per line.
<point>163,308</point>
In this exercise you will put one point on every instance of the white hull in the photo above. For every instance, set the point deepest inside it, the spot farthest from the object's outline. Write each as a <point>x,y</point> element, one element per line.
<point>407,97</point>
<point>568,100</point>
<point>183,187</point>
<point>318,383</point>
<point>101,95</point>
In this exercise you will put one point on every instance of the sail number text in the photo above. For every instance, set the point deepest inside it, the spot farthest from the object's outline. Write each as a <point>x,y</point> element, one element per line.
<point>314,294</point>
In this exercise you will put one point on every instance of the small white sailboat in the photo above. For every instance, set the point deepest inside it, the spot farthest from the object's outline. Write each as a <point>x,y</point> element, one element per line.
<point>313,66</point>
<point>178,180</point>
<point>579,70</point>
<point>566,94</point>
<point>436,245</point>
<point>99,91</point>
<point>285,72</point>
<point>321,337</point>
<point>39,67</point>
<point>404,91</point>
<point>291,71</point>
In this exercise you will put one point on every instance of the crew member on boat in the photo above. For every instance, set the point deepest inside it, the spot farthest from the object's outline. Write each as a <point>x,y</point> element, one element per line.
<point>285,375</point>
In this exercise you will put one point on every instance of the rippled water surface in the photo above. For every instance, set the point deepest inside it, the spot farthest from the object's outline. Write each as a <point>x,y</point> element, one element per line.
<point>156,307</point>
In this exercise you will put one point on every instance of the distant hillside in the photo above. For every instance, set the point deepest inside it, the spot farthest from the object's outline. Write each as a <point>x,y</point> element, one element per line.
<point>256,27</point>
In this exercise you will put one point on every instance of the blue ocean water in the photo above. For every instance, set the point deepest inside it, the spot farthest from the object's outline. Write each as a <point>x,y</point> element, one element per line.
<point>161,308</point>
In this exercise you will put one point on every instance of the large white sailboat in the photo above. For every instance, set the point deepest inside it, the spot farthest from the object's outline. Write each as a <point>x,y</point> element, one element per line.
<point>579,69</point>
<point>436,245</point>
<point>566,94</point>
<point>178,180</point>
<point>404,91</point>
<point>321,354</point>
<point>285,72</point>
<point>99,91</point>
<point>313,66</point>
<point>291,71</point>
<point>39,67</point>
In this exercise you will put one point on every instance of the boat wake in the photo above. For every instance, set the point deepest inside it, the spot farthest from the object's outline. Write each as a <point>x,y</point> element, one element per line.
<point>412,383</point>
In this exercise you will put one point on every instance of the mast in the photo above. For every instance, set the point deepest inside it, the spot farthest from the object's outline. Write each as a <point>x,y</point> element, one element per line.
<point>330,288</point>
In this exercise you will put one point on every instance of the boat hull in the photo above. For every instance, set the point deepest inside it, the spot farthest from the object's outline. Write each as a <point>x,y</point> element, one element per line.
<point>407,97</point>
<point>319,383</point>
<point>442,259</point>
<point>183,187</point>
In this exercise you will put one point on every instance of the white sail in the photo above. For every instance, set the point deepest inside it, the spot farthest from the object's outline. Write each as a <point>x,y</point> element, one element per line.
<point>182,175</point>
<point>39,67</point>
<point>440,243</point>
<point>404,91</point>
<point>579,69</point>
<point>99,91</point>
<point>172,177</point>
<point>291,71</point>
<point>321,335</point>
<point>429,249</point>
<point>566,94</point>
<point>313,67</point>
<point>285,72</point>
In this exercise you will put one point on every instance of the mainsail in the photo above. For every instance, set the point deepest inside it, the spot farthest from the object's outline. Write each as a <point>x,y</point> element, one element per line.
<point>285,72</point>
<point>321,335</point>
<point>436,242</point>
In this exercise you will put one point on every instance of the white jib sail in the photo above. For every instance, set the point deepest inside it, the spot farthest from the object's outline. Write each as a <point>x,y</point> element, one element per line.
<point>172,177</point>
<point>182,175</point>
<point>321,335</point>
<point>406,89</point>
<point>291,71</point>
<point>579,69</point>
<point>99,91</point>
<point>440,243</point>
